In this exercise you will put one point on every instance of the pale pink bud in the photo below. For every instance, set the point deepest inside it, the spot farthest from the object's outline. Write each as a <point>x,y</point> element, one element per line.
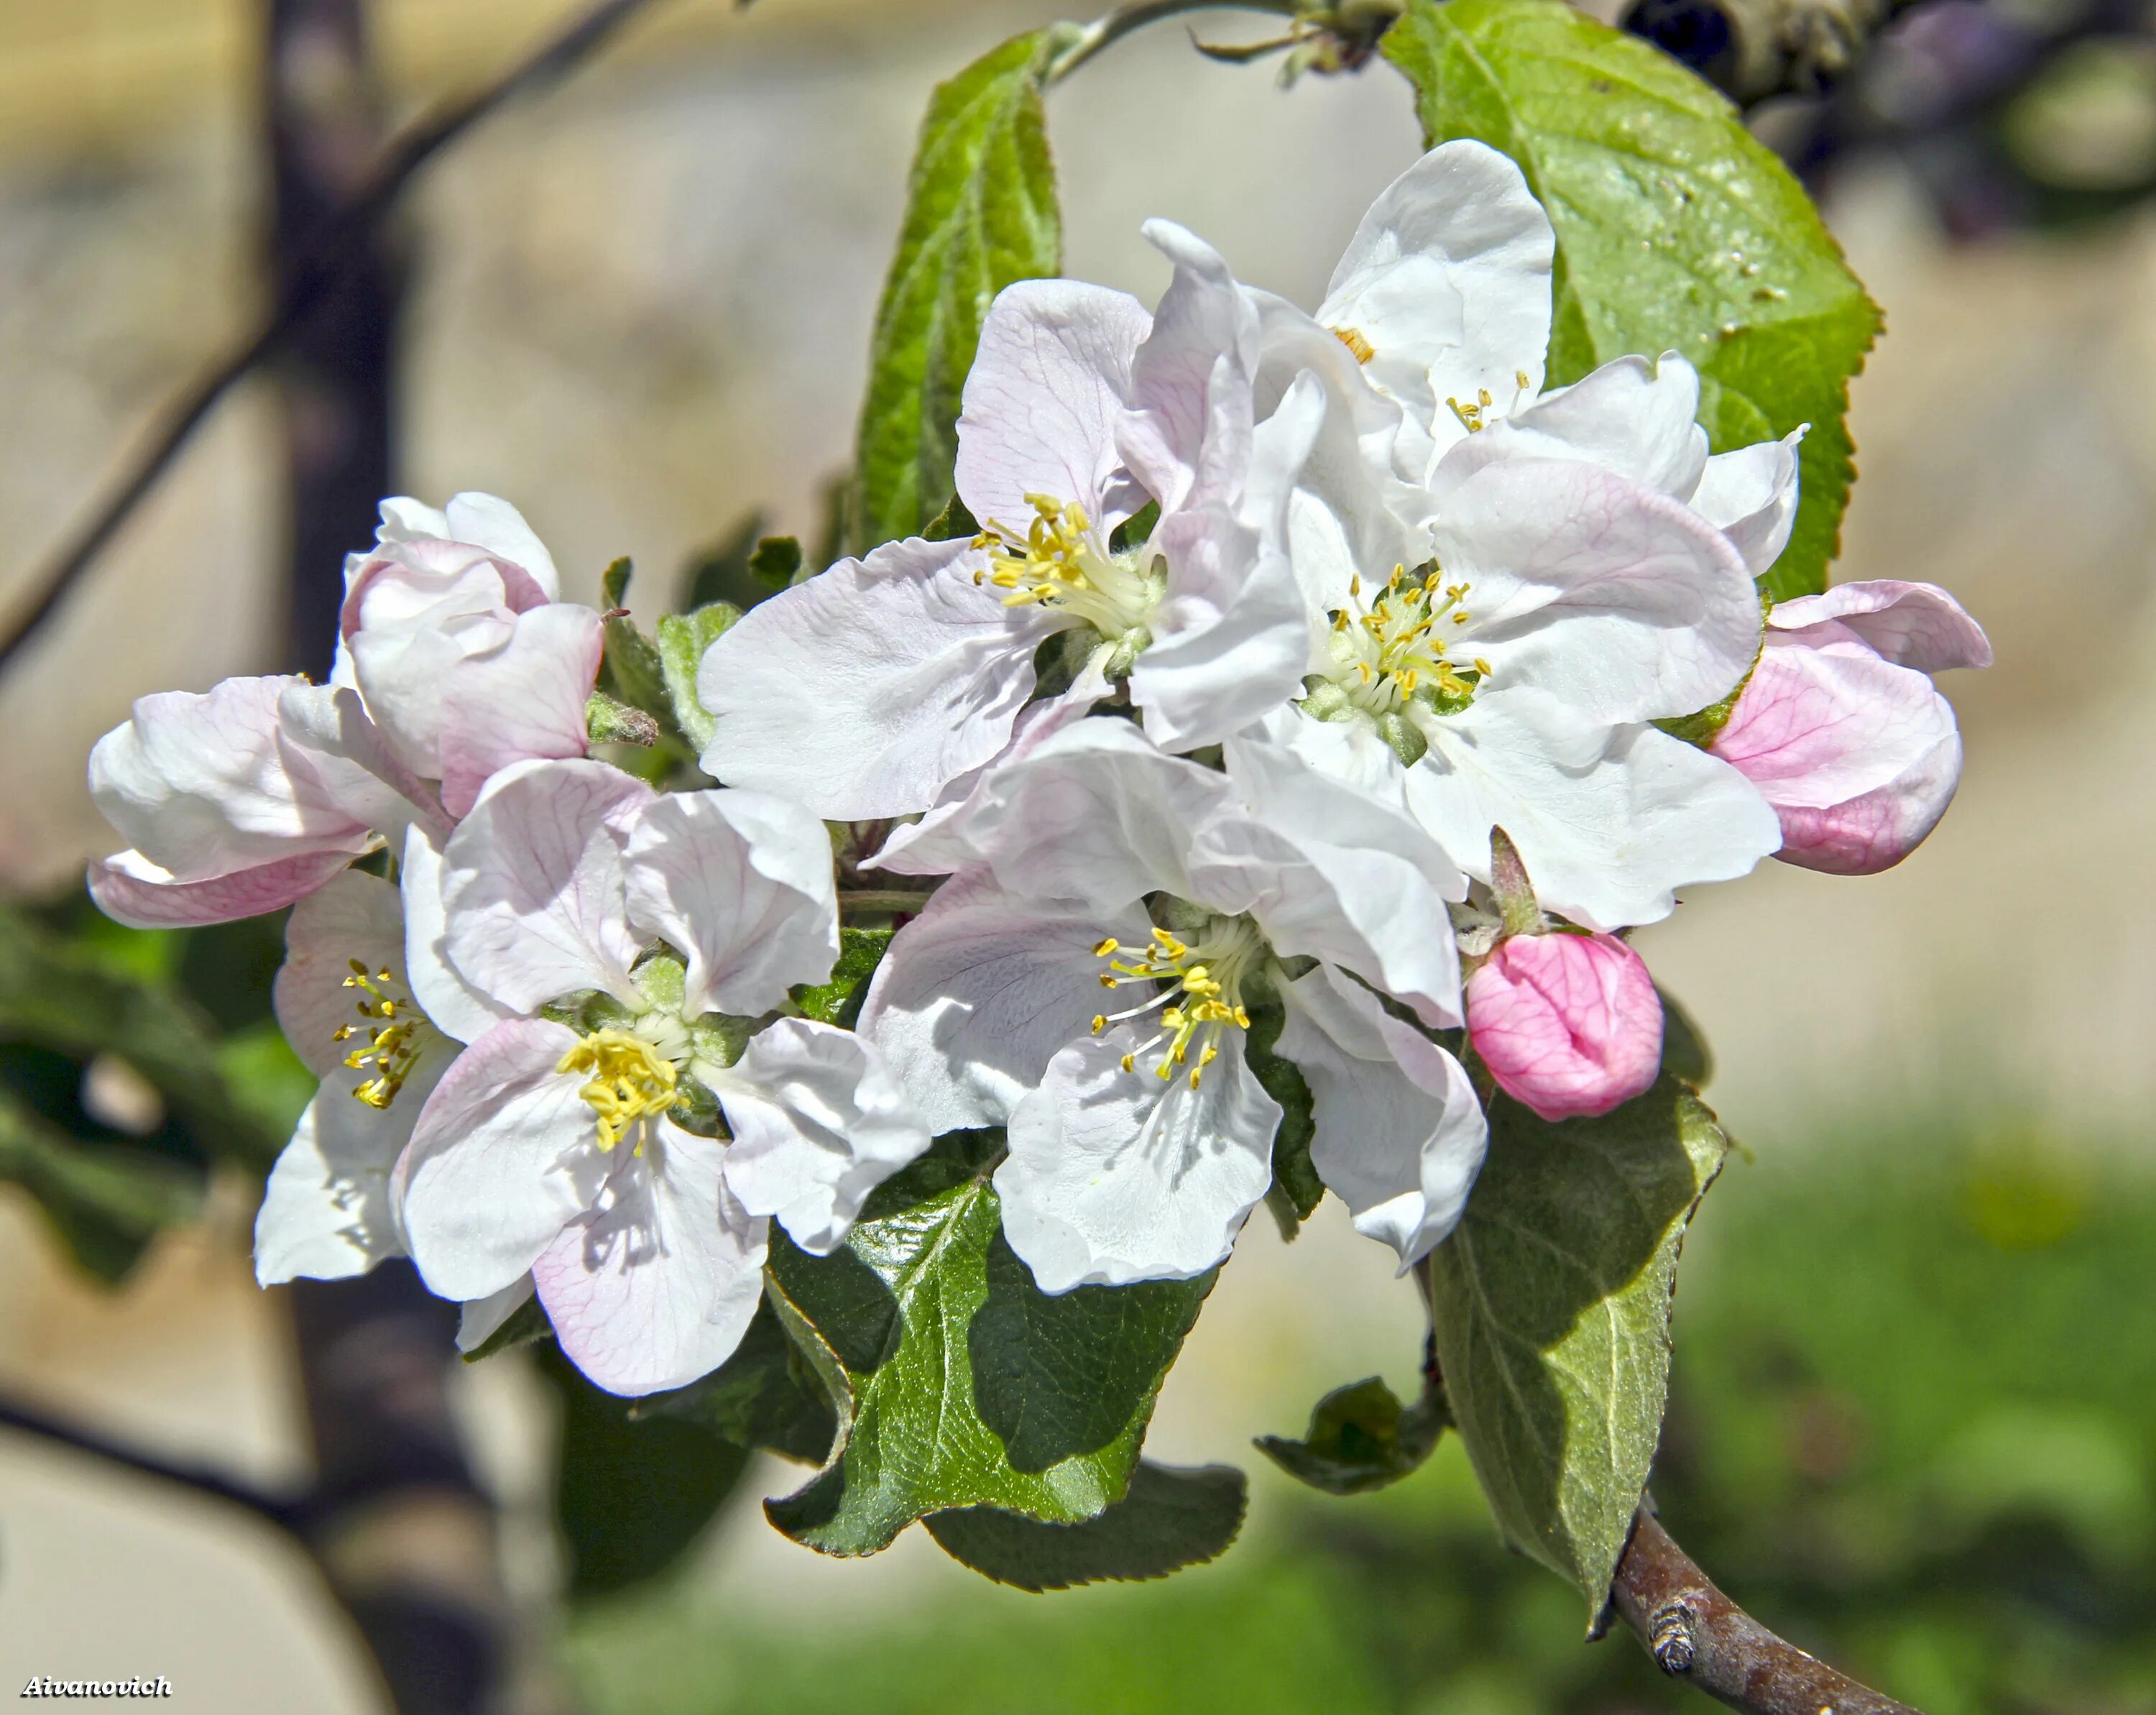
<point>1839,726</point>
<point>1568,1024</point>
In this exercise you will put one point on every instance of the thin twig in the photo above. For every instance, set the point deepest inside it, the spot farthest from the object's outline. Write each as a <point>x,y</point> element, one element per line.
<point>1697,1635</point>
<point>881,899</point>
<point>317,267</point>
<point>279,1512</point>
<point>1135,15</point>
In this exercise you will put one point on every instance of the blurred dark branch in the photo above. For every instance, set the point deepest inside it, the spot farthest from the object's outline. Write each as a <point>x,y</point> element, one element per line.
<point>1752,50</point>
<point>20,1418</point>
<point>317,266</point>
<point>1698,1635</point>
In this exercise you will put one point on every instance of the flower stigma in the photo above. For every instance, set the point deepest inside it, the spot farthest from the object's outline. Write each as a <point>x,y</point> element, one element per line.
<point>1207,972</point>
<point>1061,563</point>
<point>393,1042</point>
<point>632,1079</point>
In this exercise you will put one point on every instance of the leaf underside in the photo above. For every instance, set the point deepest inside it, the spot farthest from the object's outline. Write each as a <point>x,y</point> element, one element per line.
<point>1550,1304</point>
<point>1360,1438</point>
<point>1169,1520</point>
<point>1677,230</point>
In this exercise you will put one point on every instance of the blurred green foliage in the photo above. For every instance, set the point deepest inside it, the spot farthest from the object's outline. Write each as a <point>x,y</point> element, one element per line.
<point>1913,1427</point>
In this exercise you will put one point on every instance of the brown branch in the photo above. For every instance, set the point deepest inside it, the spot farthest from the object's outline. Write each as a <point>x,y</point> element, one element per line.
<point>318,265</point>
<point>1698,1635</point>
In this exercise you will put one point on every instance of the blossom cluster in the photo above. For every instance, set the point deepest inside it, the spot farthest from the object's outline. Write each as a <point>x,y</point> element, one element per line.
<point>1312,699</point>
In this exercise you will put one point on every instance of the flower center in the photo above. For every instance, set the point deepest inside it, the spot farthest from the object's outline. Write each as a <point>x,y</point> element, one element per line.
<point>1204,999</point>
<point>1391,649</point>
<point>391,1028</point>
<point>1062,562</point>
<point>631,1079</point>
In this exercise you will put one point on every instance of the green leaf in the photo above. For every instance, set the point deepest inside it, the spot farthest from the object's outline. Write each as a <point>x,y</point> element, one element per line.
<point>1168,1519</point>
<point>524,1326</point>
<point>613,583</point>
<point>606,722</point>
<point>981,213</point>
<point>683,638</point>
<point>838,1001</point>
<point>1296,1191</point>
<point>106,1201</point>
<point>954,520</point>
<point>1550,1308</point>
<point>1677,230</point>
<point>1360,1438</point>
<point>630,671</point>
<point>720,572</point>
<point>632,1494</point>
<point>767,1394</point>
<point>968,1386</point>
<point>776,564</point>
<point>1684,1052</point>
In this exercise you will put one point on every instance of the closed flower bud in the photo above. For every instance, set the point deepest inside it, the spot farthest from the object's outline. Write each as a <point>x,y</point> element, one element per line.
<point>1568,1024</point>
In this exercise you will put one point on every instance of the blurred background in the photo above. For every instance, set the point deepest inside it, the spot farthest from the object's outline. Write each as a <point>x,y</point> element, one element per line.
<point>1914,1423</point>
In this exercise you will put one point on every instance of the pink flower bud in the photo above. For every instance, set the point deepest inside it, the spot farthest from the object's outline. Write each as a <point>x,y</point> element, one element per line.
<point>1568,1024</point>
<point>1839,726</point>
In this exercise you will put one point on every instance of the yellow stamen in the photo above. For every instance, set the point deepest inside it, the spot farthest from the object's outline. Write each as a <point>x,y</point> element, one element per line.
<point>1353,340</point>
<point>630,1081</point>
<point>392,1046</point>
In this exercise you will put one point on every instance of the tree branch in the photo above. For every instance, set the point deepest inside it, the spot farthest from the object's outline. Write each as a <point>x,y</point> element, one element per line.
<point>1698,1635</point>
<point>319,264</point>
<point>1112,26</point>
<point>282,1513</point>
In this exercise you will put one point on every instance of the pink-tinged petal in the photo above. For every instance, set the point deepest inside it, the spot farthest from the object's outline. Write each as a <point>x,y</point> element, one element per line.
<point>1630,417</point>
<point>1568,1024</point>
<point>1447,282</point>
<point>978,992</point>
<point>1624,603</point>
<point>421,582</point>
<point>1750,496</point>
<point>481,1318</point>
<point>524,701</point>
<point>1399,1137</point>
<point>1817,725</point>
<point>499,527</point>
<point>1118,1176</point>
<point>454,1007</point>
<point>356,917</point>
<point>505,1155</point>
<point>1876,831</point>
<point>1047,384</point>
<point>130,889</point>
<point>1914,625</point>
<point>533,886</point>
<point>656,1285</point>
<point>1611,820</point>
<point>1190,381</point>
<point>819,1121</point>
<point>741,883</point>
<point>863,692</point>
<point>403,519</point>
<point>200,785</point>
<point>343,769</point>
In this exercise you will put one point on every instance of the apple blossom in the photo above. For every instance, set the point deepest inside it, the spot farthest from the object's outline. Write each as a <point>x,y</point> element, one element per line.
<point>1139,1136</point>
<point>454,659</point>
<point>1841,729</point>
<point>1567,1024</point>
<point>865,691</point>
<point>624,1124</point>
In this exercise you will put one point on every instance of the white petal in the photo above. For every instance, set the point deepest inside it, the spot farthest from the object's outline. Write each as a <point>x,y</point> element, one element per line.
<point>1609,820</point>
<point>326,1213</point>
<point>1750,496</point>
<point>1630,417</point>
<point>1190,381</point>
<point>482,1317</point>
<point>343,768</point>
<point>1115,1176</point>
<point>819,1121</point>
<point>456,1008</point>
<point>505,1154</point>
<point>1447,281</point>
<point>499,527</point>
<point>200,784</point>
<point>1399,1136</point>
<point>1626,603</point>
<point>656,1286</point>
<point>525,699</point>
<point>1915,626</point>
<point>404,519</point>
<point>978,992</point>
<point>131,890</point>
<point>862,692</point>
<point>1048,383</point>
<point>533,884</point>
<point>741,882</point>
<point>356,916</point>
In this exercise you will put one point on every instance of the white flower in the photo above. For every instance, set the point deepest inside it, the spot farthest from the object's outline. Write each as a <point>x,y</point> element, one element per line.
<point>1506,586</point>
<point>1139,1136</point>
<point>608,952</point>
<point>866,690</point>
<point>454,659</point>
